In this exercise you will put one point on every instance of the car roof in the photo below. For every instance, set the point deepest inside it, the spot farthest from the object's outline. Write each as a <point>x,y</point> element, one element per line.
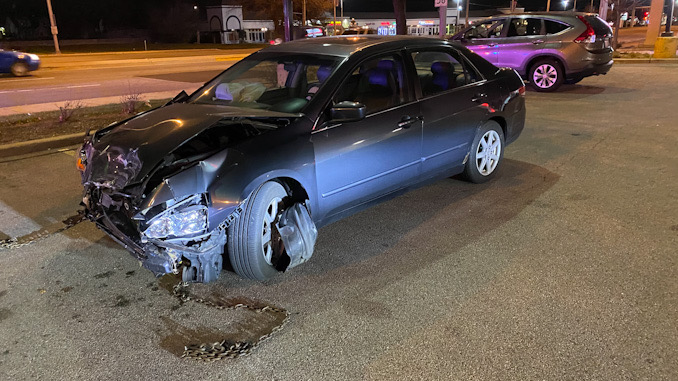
<point>345,46</point>
<point>554,14</point>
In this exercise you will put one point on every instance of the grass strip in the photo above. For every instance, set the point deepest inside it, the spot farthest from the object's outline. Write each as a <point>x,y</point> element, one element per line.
<point>25,127</point>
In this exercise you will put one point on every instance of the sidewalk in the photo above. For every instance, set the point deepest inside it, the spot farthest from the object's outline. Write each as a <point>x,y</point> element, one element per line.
<point>50,106</point>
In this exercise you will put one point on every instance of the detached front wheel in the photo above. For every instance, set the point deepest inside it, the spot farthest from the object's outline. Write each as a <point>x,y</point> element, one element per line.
<point>254,244</point>
<point>486,154</point>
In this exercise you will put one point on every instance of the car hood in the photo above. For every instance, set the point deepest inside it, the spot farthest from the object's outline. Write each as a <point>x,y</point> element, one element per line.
<point>126,152</point>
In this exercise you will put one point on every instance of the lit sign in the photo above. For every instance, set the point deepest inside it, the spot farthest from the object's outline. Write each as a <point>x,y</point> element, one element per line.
<point>426,22</point>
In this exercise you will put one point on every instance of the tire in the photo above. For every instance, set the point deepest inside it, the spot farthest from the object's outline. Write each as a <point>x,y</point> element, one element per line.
<point>253,246</point>
<point>487,152</point>
<point>19,69</point>
<point>546,75</point>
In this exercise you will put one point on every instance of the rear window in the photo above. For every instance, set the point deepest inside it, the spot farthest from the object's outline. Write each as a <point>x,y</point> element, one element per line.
<point>553,27</point>
<point>599,26</point>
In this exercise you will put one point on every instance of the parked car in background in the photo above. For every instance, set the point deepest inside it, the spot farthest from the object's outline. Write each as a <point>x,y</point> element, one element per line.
<point>292,138</point>
<point>547,49</point>
<point>17,63</point>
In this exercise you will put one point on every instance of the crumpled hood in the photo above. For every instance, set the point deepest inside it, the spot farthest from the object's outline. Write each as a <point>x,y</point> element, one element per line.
<point>125,153</point>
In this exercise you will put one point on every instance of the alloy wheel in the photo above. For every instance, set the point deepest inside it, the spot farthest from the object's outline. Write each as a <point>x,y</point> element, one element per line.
<point>267,239</point>
<point>545,76</point>
<point>488,153</point>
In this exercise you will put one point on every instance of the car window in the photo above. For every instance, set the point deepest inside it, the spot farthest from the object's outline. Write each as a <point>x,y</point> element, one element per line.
<point>524,27</point>
<point>276,82</point>
<point>486,29</point>
<point>378,83</point>
<point>553,27</point>
<point>440,71</point>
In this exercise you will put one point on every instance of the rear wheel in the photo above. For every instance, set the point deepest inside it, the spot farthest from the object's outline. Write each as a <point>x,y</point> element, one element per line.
<point>546,75</point>
<point>19,69</point>
<point>254,244</point>
<point>486,154</point>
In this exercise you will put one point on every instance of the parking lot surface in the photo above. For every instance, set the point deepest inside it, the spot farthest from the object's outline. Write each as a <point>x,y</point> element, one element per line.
<point>563,267</point>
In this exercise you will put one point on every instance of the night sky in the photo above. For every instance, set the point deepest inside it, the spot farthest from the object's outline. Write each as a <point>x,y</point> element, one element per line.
<point>81,18</point>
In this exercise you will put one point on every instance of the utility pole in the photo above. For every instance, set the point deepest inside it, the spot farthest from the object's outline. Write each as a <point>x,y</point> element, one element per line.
<point>334,26</point>
<point>548,6</point>
<point>574,8</point>
<point>303,13</point>
<point>287,19</point>
<point>467,4</point>
<point>442,18</point>
<point>54,29</point>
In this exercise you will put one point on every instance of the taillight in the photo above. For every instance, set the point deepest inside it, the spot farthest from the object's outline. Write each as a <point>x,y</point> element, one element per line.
<point>589,35</point>
<point>521,90</point>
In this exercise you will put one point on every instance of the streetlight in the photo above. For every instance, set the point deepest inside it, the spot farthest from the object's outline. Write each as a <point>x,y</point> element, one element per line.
<point>564,5</point>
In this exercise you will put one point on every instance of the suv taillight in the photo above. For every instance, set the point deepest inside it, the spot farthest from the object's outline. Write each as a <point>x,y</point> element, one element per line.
<point>589,35</point>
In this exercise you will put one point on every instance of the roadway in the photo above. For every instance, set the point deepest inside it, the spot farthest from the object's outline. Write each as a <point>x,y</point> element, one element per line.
<point>563,267</point>
<point>108,76</point>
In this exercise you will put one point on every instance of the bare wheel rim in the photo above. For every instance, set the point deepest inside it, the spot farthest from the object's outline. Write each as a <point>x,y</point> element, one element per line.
<point>545,76</point>
<point>270,216</point>
<point>487,155</point>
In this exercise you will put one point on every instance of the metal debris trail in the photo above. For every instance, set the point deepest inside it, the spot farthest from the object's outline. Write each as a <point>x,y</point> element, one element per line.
<point>55,228</point>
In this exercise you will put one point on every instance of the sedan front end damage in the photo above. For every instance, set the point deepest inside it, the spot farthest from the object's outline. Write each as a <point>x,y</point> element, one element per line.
<point>166,237</point>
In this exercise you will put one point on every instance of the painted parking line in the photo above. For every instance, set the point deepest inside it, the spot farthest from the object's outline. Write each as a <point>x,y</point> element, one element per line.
<point>15,224</point>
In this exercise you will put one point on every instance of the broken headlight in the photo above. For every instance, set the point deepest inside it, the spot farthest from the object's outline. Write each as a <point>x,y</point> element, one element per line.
<point>185,218</point>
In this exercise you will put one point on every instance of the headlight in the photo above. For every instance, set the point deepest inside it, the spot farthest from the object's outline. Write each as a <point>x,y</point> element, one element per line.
<point>34,57</point>
<point>192,220</point>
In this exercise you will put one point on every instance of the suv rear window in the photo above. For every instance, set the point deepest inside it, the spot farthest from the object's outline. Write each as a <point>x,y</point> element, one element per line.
<point>553,27</point>
<point>599,26</point>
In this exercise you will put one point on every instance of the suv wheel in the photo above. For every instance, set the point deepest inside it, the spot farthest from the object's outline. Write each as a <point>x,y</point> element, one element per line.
<point>546,75</point>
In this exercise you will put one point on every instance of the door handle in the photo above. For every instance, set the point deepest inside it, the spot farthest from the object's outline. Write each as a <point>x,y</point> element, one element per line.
<point>407,121</point>
<point>479,97</point>
<point>491,45</point>
<point>538,42</point>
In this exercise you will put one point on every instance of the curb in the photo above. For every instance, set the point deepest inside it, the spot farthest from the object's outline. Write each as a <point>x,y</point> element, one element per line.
<point>37,145</point>
<point>645,60</point>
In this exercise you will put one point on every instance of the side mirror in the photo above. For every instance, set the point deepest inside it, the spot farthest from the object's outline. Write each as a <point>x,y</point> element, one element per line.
<point>182,96</point>
<point>347,111</point>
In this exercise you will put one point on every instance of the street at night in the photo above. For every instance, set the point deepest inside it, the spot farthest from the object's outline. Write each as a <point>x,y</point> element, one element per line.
<point>562,267</point>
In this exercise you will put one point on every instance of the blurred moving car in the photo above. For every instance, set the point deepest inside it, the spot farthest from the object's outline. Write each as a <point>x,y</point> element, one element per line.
<point>547,49</point>
<point>289,139</point>
<point>18,63</point>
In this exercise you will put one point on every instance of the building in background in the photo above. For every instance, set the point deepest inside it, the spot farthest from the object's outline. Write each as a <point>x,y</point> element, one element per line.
<point>225,24</point>
<point>418,23</point>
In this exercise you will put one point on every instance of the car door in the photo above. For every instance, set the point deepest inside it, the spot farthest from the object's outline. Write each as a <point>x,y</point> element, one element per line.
<point>6,61</point>
<point>452,99</point>
<point>525,37</point>
<point>483,38</point>
<point>359,161</point>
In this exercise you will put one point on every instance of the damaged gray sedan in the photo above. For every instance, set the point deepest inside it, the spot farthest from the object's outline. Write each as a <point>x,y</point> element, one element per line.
<point>290,139</point>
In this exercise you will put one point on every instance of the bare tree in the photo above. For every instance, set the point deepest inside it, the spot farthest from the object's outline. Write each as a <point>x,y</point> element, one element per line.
<point>401,19</point>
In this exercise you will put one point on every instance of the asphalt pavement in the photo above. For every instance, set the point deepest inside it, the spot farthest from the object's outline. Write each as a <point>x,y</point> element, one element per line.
<point>562,268</point>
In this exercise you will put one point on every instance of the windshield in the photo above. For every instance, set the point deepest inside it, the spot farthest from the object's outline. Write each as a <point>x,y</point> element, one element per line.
<point>283,83</point>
